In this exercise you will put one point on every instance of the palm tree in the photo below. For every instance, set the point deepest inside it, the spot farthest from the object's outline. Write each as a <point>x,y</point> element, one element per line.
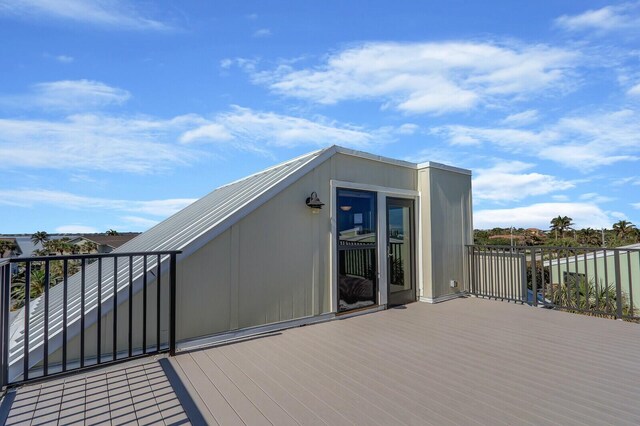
<point>623,228</point>
<point>89,247</point>
<point>112,232</point>
<point>7,246</point>
<point>562,224</point>
<point>39,237</point>
<point>589,237</point>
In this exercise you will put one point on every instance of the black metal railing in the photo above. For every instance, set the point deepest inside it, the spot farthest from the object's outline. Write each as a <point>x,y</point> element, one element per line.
<point>589,280</point>
<point>70,312</point>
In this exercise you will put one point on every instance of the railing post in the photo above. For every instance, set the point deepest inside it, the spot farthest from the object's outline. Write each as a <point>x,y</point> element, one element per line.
<point>5,295</point>
<point>172,305</point>
<point>534,284</point>
<point>472,268</point>
<point>616,256</point>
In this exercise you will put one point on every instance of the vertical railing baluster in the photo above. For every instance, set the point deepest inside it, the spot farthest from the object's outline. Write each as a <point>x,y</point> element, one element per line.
<point>99,313</point>
<point>543,282</point>
<point>485,284</point>
<point>173,306</point>
<point>158,316</point>
<point>587,283</point>
<point>144,304</point>
<point>6,291</point>
<point>567,280</point>
<point>595,273</point>
<point>631,310</point>
<point>45,346</point>
<point>130,342</point>
<point>534,277</point>
<point>27,319</point>
<point>115,309</point>
<point>82,303</point>
<point>616,255</point>
<point>65,301</point>
<point>577,280</point>
<point>606,281</point>
<point>560,281</point>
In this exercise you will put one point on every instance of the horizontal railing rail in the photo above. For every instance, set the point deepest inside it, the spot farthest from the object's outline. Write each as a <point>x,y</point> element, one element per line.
<point>588,280</point>
<point>65,313</point>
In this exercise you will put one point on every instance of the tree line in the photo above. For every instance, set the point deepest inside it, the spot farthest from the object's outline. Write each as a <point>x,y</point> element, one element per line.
<point>561,233</point>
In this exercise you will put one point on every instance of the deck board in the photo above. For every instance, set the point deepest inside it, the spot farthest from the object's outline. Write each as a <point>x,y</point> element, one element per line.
<point>466,361</point>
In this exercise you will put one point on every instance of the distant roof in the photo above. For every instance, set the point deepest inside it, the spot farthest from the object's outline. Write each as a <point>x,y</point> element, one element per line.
<point>113,241</point>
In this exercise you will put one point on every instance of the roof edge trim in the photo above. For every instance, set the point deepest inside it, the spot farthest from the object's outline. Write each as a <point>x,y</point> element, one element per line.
<point>379,158</point>
<point>440,166</point>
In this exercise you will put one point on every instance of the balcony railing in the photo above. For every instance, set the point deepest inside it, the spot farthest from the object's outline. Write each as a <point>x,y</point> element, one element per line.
<point>65,313</point>
<point>594,281</point>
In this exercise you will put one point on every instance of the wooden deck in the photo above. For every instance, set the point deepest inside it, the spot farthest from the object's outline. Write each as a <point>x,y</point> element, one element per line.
<point>466,361</point>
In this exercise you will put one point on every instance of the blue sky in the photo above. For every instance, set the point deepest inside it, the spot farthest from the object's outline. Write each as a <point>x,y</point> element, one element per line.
<point>115,114</point>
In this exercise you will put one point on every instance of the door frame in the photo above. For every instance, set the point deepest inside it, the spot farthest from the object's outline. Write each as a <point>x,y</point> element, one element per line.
<point>412,247</point>
<point>382,193</point>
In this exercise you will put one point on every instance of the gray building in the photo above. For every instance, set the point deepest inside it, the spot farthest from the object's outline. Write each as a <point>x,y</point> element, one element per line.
<point>329,233</point>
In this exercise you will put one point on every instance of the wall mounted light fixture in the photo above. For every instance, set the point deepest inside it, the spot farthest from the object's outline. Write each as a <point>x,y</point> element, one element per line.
<point>314,202</point>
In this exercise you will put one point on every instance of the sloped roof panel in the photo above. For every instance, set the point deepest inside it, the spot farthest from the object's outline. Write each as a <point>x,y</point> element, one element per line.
<point>177,232</point>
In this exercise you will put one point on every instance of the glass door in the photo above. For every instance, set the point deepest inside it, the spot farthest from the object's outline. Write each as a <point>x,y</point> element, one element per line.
<point>357,249</point>
<point>400,249</point>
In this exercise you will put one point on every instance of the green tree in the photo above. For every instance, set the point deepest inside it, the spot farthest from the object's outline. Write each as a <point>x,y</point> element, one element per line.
<point>40,237</point>
<point>624,229</point>
<point>589,237</point>
<point>561,224</point>
<point>112,232</point>
<point>89,247</point>
<point>7,247</point>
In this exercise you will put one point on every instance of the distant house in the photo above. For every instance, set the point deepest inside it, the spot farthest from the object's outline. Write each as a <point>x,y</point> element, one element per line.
<point>15,250</point>
<point>105,243</point>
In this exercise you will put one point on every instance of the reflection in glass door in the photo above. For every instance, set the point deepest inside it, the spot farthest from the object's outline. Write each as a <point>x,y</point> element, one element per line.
<point>400,247</point>
<point>357,249</point>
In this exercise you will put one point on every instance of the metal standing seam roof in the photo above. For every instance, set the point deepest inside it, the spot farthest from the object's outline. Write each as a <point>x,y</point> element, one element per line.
<point>187,230</point>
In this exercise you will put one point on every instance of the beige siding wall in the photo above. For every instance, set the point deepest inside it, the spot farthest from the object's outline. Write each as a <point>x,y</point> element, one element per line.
<point>446,228</point>
<point>273,265</point>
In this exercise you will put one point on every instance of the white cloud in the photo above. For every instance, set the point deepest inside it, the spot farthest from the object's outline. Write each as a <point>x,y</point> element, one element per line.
<point>408,129</point>
<point>118,14</point>
<point>506,181</point>
<point>256,130</point>
<point>65,59</point>
<point>635,205</point>
<point>596,198</point>
<point>67,200</point>
<point>147,144</point>
<point>426,77</point>
<point>581,142</point>
<point>262,32</point>
<point>96,142</point>
<point>76,229</point>
<point>625,16</point>
<point>584,215</point>
<point>138,222</point>
<point>521,118</point>
<point>559,197</point>
<point>634,91</point>
<point>207,132</point>
<point>69,95</point>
